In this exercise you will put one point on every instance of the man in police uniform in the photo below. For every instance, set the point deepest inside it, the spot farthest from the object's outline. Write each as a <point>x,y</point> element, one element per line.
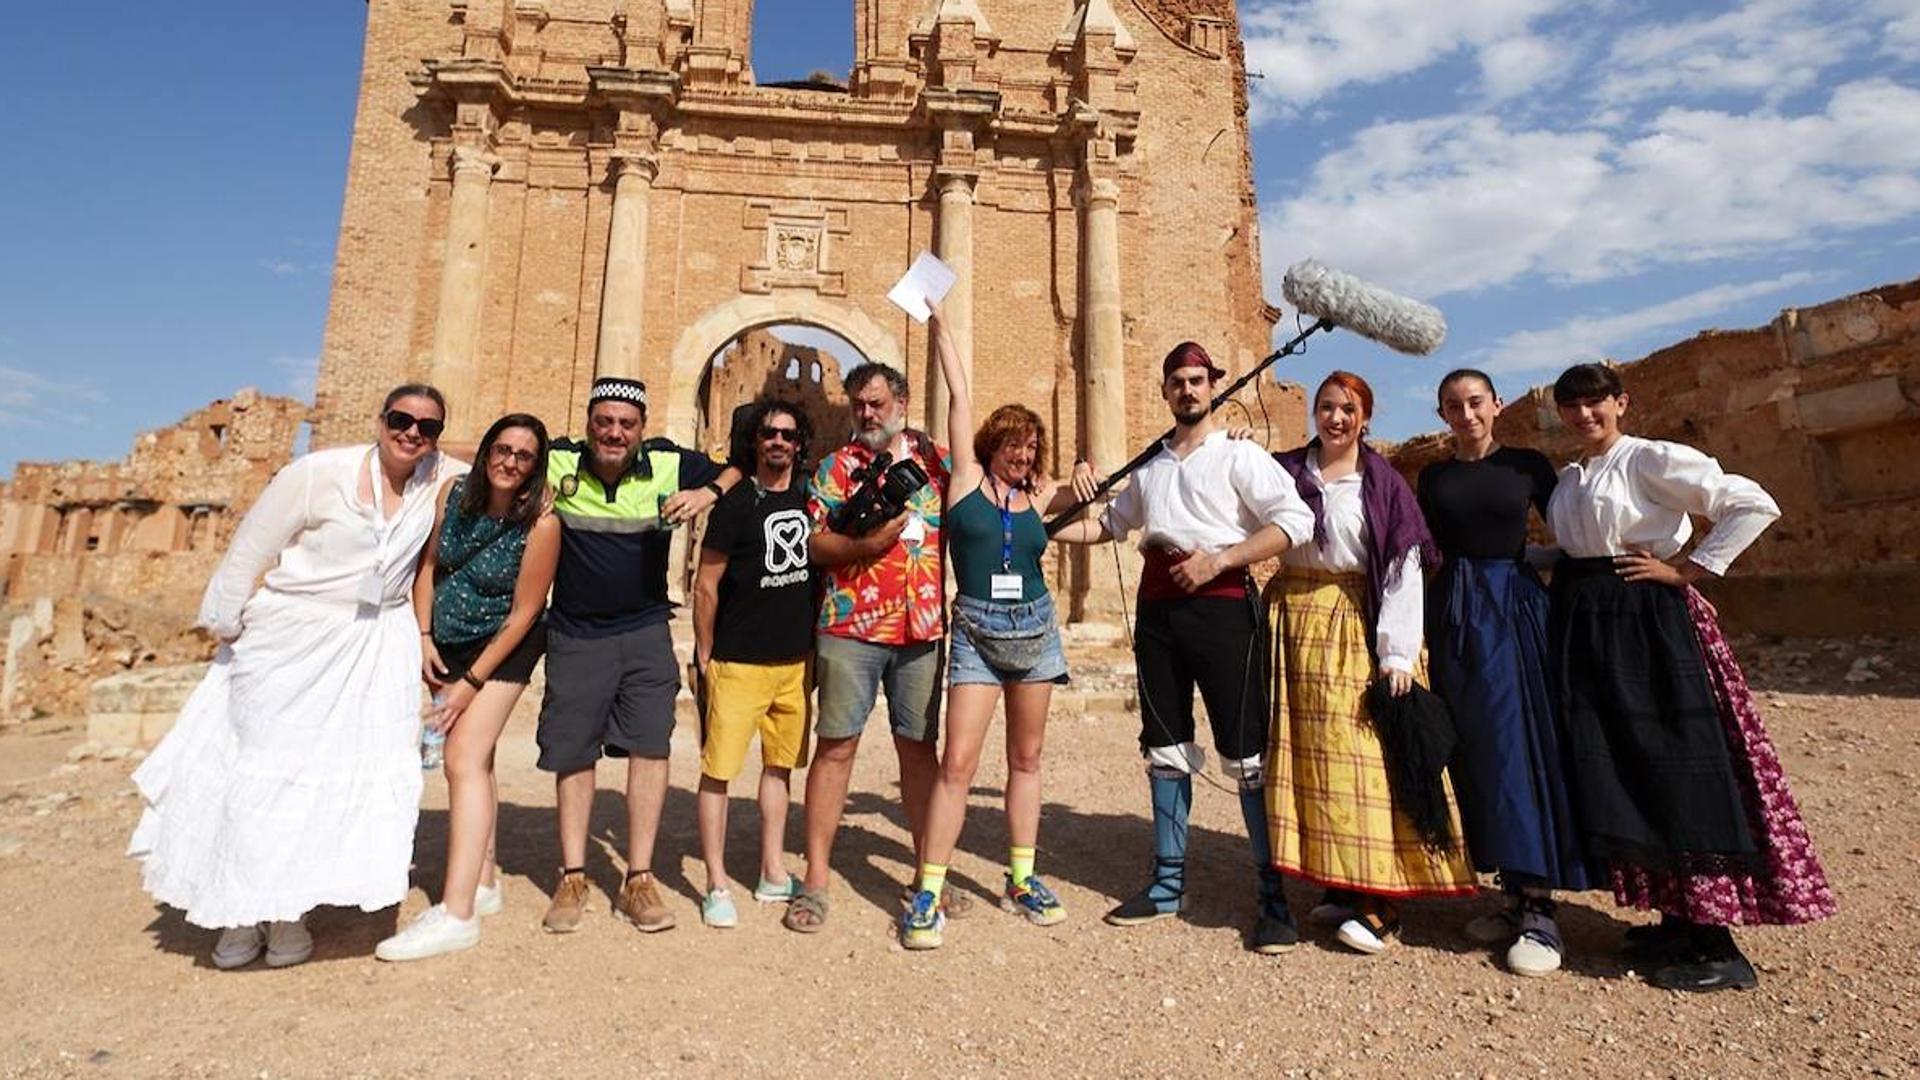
<point>611,673</point>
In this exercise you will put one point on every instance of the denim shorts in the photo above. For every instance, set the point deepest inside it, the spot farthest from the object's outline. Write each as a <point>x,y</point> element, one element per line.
<point>966,666</point>
<point>850,673</point>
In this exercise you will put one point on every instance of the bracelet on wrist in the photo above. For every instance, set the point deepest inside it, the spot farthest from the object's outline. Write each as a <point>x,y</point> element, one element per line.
<point>467,677</point>
<point>426,633</point>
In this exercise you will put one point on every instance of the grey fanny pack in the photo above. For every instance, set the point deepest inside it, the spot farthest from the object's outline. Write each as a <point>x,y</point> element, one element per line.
<point>1005,650</point>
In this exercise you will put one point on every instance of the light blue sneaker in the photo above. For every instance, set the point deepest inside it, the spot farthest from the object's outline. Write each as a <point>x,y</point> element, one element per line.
<point>769,893</point>
<point>923,924</point>
<point>717,910</point>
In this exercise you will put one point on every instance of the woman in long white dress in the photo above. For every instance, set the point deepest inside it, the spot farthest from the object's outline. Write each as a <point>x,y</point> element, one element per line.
<point>292,778</point>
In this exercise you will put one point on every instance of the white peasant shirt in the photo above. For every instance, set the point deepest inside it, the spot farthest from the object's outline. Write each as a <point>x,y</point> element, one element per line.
<point>313,537</point>
<point>1222,492</point>
<point>1638,495</point>
<point>1398,629</point>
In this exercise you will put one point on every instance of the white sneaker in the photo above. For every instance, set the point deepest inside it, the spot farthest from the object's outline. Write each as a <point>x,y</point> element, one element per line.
<point>1529,955</point>
<point>490,899</point>
<point>1355,935</point>
<point>288,943</point>
<point>238,946</point>
<point>431,933</point>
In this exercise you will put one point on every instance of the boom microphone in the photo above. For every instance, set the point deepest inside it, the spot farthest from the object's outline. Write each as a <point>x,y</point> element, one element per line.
<point>1400,324</point>
<point>1336,301</point>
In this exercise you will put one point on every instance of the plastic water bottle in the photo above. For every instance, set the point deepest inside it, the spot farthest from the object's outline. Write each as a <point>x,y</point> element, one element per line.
<point>433,741</point>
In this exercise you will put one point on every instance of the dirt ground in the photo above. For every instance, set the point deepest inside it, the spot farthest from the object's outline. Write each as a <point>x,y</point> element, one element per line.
<point>98,981</point>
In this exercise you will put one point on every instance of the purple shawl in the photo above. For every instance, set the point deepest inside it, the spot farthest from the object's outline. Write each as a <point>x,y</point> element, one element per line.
<point>1395,525</point>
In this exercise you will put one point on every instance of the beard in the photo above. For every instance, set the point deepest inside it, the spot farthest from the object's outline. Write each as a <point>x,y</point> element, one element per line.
<point>881,437</point>
<point>1190,414</point>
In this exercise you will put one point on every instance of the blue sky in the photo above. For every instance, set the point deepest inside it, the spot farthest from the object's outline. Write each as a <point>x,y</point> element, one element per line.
<point>1566,180</point>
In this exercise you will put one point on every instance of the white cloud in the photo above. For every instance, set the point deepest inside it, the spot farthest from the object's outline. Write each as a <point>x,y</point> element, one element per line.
<point>300,372</point>
<point>1521,64</point>
<point>33,400</point>
<point>279,267</point>
<point>1768,48</point>
<point>1598,336</point>
<point>1461,203</point>
<point>1305,50</point>
<point>1900,37</point>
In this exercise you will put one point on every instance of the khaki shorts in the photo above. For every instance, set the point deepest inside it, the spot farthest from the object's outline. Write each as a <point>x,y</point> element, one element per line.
<point>743,698</point>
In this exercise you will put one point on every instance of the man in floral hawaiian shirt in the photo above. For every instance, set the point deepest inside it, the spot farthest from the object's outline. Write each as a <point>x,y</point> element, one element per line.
<point>881,624</point>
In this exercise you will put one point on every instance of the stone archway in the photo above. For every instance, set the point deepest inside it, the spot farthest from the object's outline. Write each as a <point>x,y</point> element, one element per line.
<point>712,332</point>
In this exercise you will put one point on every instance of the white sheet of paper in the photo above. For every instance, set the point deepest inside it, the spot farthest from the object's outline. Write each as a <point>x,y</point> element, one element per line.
<point>925,283</point>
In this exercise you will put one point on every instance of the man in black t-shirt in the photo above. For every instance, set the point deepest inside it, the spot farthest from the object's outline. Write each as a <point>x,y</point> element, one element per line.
<point>754,607</point>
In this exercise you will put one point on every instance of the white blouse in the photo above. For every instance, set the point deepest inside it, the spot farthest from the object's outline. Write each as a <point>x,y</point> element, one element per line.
<point>1222,492</point>
<point>313,537</point>
<point>1638,494</point>
<point>1398,630</point>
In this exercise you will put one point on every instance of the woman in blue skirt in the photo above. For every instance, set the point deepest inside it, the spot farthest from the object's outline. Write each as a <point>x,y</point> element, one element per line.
<point>1487,635</point>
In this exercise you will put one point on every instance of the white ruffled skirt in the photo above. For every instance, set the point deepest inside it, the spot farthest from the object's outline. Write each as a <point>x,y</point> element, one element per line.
<point>292,777</point>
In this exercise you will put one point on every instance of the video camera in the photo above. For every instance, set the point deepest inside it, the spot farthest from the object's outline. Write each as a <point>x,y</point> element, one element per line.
<point>882,488</point>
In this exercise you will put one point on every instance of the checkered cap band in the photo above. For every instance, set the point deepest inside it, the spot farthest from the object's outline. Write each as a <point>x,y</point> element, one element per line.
<point>615,389</point>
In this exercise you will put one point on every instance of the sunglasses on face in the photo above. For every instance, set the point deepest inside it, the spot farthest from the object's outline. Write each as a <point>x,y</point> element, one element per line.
<point>785,434</point>
<point>398,421</point>
<point>504,454</point>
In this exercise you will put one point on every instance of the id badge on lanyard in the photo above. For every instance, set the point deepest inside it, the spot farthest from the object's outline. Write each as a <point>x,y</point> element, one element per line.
<point>371,591</point>
<point>1006,585</point>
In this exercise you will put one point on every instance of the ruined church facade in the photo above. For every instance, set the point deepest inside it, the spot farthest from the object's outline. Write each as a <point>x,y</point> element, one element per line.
<point>543,190</point>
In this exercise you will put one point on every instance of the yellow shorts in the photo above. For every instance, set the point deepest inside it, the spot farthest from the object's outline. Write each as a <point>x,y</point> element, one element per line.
<point>742,698</point>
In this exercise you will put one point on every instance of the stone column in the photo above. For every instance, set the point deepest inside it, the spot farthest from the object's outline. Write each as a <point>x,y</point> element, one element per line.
<point>953,242</point>
<point>1103,369</point>
<point>623,294</point>
<point>456,325</point>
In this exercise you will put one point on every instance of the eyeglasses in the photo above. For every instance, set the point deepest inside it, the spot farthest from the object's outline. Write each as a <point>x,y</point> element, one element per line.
<point>785,434</point>
<point>398,421</point>
<point>502,453</point>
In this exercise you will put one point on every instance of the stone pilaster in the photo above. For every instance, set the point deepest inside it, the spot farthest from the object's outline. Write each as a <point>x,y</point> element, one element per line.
<point>623,296</point>
<point>456,325</point>
<point>1103,373</point>
<point>954,244</point>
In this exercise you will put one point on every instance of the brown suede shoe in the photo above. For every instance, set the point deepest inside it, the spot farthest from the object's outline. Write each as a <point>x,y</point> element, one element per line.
<point>569,904</point>
<point>640,904</point>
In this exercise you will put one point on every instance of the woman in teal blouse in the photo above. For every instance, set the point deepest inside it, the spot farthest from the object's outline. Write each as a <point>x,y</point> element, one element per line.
<point>480,594</point>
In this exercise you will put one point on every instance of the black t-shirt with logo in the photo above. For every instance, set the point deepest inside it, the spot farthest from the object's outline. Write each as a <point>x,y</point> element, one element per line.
<point>768,605</point>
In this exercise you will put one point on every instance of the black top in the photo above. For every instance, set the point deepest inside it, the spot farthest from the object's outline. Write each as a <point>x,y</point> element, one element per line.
<point>1478,509</point>
<point>767,602</point>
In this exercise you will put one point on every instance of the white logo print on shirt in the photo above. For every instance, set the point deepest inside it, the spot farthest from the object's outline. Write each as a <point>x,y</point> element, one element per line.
<point>786,536</point>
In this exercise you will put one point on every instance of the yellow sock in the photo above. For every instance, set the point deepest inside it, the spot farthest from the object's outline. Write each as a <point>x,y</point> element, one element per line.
<point>1020,864</point>
<point>933,879</point>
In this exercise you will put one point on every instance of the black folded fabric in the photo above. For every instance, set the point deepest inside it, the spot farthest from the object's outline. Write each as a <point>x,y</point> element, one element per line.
<point>1417,739</point>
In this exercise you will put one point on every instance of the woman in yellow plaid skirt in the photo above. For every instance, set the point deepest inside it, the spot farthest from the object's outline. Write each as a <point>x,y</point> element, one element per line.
<point>1347,610</point>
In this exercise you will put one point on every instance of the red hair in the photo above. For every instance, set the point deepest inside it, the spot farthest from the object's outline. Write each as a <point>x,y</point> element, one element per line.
<point>1010,422</point>
<point>1356,388</point>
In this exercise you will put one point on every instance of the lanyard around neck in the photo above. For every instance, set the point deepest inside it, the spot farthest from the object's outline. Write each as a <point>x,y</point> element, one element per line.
<point>1005,506</point>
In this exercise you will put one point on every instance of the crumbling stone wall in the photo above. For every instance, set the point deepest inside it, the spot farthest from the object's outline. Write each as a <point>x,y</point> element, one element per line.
<point>147,529</point>
<point>1822,406</point>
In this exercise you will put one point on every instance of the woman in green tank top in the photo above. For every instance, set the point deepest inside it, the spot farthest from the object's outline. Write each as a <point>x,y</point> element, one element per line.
<point>480,593</point>
<point>1004,639</point>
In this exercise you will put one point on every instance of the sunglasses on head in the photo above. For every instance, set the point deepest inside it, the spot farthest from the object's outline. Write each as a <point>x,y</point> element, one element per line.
<point>785,434</point>
<point>399,421</point>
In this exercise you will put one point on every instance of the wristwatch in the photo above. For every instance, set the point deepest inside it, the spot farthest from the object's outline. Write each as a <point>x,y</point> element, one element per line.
<point>714,486</point>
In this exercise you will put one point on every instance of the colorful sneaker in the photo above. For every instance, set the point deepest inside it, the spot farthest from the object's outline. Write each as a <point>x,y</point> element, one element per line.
<point>1033,899</point>
<point>923,924</point>
<point>766,892</point>
<point>717,910</point>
